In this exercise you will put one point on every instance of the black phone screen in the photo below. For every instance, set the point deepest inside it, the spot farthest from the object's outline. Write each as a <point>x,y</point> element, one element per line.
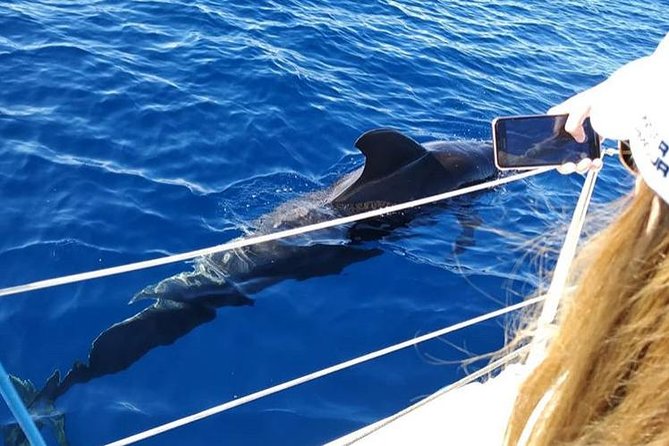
<point>535,141</point>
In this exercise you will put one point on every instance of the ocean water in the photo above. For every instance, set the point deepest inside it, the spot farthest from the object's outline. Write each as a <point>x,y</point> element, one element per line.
<point>135,129</point>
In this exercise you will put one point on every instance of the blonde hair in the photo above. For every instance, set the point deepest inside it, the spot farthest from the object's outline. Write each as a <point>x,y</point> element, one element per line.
<point>607,366</point>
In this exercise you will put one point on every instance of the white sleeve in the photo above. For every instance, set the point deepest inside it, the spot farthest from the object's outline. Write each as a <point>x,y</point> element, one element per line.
<point>636,90</point>
<point>633,104</point>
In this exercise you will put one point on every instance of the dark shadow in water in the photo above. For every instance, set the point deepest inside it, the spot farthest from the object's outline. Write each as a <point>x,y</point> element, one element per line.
<point>165,321</point>
<point>397,169</point>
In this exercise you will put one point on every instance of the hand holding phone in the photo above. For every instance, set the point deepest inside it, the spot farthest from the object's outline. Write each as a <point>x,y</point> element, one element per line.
<point>528,142</point>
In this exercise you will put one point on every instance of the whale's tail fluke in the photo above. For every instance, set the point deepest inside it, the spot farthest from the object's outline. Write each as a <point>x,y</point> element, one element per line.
<point>114,350</point>
<point>41,406</point>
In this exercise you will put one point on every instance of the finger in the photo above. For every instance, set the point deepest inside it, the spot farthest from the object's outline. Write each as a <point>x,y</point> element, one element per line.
<point>567,168</point>
<point>597,164</point>
<point>574,124</point>
<point>584,165</point>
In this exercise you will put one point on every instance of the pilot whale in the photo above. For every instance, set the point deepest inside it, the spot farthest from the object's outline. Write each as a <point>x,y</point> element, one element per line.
<point>396,169</point>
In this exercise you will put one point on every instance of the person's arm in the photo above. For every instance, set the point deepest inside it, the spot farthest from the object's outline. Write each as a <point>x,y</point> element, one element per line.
<point>632,104</point>
<point>616,106</point>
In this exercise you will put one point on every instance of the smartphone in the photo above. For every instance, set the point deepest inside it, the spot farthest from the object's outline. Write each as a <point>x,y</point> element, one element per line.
<point>528,142</point>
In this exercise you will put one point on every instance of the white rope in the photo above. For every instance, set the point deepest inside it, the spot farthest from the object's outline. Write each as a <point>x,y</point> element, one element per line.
<point>562,267</point>
<point>549,310</point>
<point>321,373</point>
<point>241,243</point>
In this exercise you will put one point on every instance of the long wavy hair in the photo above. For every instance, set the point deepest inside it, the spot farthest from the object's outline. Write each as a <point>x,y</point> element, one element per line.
<point>606,370</point>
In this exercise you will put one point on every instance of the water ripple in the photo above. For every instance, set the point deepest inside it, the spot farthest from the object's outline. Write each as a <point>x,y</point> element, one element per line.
<point>131,129</point>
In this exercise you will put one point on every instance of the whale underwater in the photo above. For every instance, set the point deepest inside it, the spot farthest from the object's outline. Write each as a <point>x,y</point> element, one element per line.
<point>396,169</point>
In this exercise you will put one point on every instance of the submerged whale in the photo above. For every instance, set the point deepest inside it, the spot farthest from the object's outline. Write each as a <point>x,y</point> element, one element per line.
<point>397,169</point>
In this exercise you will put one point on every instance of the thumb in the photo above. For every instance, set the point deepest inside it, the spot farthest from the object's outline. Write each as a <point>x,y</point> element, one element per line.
<point>574,124</point>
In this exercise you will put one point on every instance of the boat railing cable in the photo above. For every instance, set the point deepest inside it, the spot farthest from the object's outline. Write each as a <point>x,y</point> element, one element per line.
<point>551,302</point>
<point>328,371</point>
<point>21,411</point>
<point>566,254</point>
<point>244,242</point>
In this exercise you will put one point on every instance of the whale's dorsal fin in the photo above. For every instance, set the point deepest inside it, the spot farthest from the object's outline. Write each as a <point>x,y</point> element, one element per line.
<point>386,150</point>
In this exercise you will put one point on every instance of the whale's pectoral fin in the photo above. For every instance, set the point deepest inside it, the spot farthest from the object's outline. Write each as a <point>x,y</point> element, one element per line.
<point>386,151</point>
<point>469,220</point>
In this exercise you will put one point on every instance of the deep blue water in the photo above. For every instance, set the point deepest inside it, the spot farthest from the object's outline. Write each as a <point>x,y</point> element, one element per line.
<point>135,129</point>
